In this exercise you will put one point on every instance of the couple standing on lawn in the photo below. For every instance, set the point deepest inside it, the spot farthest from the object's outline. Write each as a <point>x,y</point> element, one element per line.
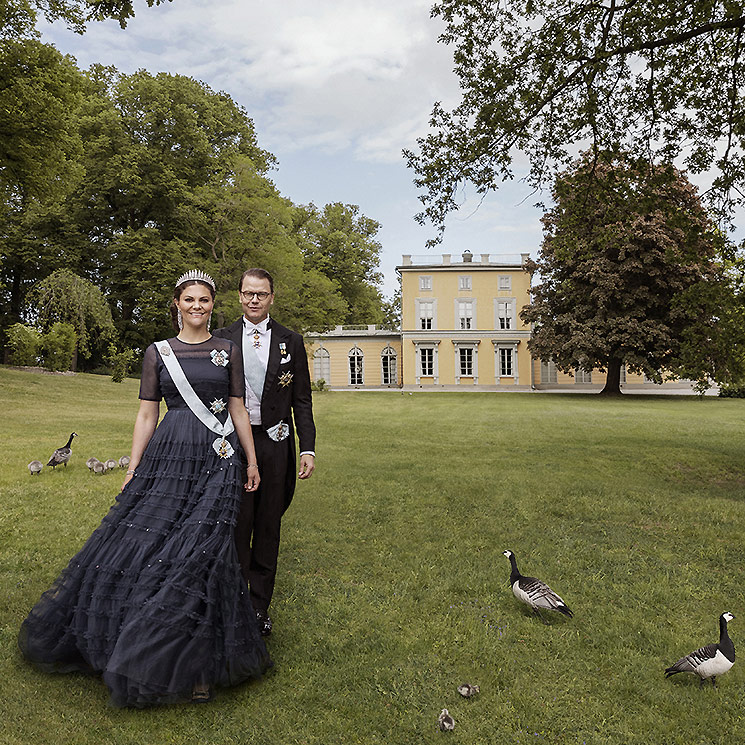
<point>157,601</point>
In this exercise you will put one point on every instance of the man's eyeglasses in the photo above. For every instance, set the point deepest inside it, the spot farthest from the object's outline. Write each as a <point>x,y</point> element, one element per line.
<point>260,296</point>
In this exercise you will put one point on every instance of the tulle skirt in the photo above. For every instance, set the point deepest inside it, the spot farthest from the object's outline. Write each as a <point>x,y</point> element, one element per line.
<point>155,601</point>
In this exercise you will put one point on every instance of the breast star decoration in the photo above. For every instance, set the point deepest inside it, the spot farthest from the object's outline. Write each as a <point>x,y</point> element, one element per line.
<point>217,406</point>
<point>285,379</point>
<point>219,358</point>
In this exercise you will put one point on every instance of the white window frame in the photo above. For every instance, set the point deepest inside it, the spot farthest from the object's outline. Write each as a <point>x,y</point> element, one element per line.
<point>508,316</point>
<point>510,346</point>
<point>426,308</point>
<point>425,281</point>
<point>473,345</point>
<point>432,344</point>
<point>321,364</point>
<point>465,355</point>
<point>389,353</point>
<point>549,374</point>
<point>464,306</point>
<point>464,282</point>
<point>356,353</point>
<point>506,362</point>
<point>504,282</point>
<point>582,377</point>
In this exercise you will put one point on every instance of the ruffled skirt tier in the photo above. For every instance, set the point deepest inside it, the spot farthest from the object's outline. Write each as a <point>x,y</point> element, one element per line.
<point>155,601</point>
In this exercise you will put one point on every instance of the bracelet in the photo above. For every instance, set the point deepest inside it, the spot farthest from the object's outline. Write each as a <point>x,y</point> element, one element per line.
<point>252,465</point>
<point>130,471</point>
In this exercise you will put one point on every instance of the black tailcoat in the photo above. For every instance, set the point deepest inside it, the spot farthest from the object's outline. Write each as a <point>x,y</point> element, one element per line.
<point>287,394</point>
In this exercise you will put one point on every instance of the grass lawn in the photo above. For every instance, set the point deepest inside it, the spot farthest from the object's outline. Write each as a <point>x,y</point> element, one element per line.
<point>392,587</point>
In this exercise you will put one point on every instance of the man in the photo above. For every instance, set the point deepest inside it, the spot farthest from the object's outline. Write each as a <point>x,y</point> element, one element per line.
<point>277,391</point>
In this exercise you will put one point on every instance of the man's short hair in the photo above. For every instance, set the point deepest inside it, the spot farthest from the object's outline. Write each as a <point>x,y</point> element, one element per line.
<point>259,274</point>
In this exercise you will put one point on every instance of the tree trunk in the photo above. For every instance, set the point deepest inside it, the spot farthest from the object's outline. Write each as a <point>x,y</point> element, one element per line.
<point>613,378</point>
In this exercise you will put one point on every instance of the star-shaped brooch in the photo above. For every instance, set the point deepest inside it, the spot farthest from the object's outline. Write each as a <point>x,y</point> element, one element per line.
<point>219,358</point>
<point>217,406</point>
<point>285,379</point>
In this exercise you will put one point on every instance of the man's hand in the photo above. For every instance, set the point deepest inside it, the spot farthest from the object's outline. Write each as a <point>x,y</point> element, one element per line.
<point>307,466</point>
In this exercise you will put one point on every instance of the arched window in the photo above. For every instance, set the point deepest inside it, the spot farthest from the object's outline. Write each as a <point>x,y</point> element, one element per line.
<point>355,366</point>
<point>388,366</point>
<point>321,365</point>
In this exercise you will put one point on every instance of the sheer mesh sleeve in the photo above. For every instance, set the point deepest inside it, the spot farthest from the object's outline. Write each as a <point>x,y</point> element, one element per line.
<point>237,381</point>
<point>150,380</point>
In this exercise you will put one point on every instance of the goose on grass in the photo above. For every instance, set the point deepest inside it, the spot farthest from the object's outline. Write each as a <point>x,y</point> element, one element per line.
<point>534,593</point>
<point>445,721</point>
<point>35,467</point>
<point>61,455</point>
<point>711,660</point>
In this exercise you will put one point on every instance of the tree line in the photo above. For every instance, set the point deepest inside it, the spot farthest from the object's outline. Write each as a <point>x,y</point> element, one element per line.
<point>121,182</point>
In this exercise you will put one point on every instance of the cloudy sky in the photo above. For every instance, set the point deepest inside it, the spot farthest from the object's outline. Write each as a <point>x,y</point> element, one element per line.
<point>336,91</point>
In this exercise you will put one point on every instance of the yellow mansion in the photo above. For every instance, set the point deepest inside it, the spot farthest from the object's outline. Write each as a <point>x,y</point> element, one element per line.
<point>460,328</point>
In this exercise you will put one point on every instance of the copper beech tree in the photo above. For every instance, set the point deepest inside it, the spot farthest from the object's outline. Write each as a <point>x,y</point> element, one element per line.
<point>633,271</point>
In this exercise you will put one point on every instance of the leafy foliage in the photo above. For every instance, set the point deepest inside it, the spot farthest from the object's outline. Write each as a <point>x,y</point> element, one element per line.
<point>67,298</point>
<point>633,271</point>
<point>120,362</point>
<point>153,175</point>
<point>18,17</point>
<point>24,344</point>
<point>58,347</point>
<point>543,77</point>
<point>339,242</point>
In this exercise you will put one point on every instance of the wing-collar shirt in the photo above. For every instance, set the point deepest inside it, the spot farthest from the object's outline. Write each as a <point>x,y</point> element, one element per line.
<point>257,337</point>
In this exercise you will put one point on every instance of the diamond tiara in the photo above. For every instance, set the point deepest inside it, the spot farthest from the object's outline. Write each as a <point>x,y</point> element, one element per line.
<point>196,276</point>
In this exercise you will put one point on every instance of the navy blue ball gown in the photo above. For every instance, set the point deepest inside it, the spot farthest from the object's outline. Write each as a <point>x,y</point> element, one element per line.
<point>155,601</point>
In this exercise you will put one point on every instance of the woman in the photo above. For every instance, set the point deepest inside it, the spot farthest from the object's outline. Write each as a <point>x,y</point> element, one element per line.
<point>155,601</point>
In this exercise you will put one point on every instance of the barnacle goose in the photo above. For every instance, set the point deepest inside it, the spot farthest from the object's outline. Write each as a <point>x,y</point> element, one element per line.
<point>61,455</point>
<point>467,690</point>
<point>538,595</point>
<point>711,660</point>
<point>445,721</point>
<point>35,467</point>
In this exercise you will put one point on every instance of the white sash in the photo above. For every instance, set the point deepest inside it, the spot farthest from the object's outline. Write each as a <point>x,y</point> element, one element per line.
<point>221,446</point>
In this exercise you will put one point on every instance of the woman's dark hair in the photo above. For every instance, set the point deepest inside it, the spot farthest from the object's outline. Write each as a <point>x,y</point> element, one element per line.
<point>177,294</point>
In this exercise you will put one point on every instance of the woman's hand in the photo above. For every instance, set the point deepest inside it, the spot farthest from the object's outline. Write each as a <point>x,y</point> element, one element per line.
<point>252,473</point>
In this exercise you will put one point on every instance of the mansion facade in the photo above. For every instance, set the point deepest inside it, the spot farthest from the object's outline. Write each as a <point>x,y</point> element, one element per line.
<point>460,328</point>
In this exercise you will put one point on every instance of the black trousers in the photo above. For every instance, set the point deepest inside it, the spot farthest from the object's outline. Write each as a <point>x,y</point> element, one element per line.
<point>258,525</point>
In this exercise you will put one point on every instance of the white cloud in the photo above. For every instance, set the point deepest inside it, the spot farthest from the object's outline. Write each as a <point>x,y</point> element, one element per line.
<point>355,75</point>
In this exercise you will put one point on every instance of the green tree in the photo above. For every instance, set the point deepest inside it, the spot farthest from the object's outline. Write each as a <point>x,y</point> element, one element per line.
<point>392,310</point>
<point>18,17</point>
<point>40,149</point>
<point>339,242</point>
<point>243,221</point>
<point>159,150</point>
<point>661,79</point>
<point>58,347</point>
<point>65,298</point>
<point>24,344</point>
<point>632,271</point>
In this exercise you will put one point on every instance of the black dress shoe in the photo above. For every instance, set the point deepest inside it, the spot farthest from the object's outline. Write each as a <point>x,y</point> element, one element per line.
<point>265,623</point>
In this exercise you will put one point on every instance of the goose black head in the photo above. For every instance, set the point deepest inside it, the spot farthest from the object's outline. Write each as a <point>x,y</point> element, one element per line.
<point>508,554</point>
<point>726,616</point>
